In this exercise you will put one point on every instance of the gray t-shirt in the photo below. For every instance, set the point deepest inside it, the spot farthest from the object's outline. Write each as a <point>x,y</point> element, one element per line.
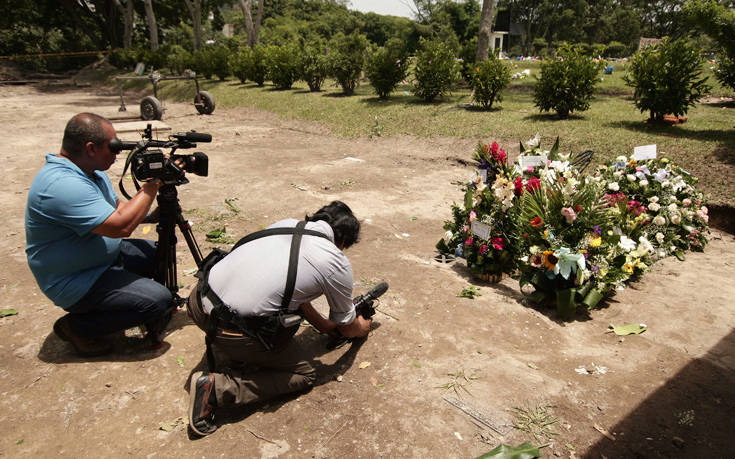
<point>251,280</point>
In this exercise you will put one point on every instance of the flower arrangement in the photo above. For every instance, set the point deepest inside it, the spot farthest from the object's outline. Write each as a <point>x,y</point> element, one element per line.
<point>484,230</point>
<point>568,238</point>
<point>668,210</point>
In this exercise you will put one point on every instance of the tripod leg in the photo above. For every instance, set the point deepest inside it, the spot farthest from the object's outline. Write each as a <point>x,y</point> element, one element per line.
<point>185,229</point>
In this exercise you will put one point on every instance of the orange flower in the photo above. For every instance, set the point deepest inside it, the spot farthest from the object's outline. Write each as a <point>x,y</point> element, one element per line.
<point>549,259</point>
<point>536,222</point>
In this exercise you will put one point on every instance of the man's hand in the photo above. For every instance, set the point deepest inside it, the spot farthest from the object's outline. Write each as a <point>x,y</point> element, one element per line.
<point>357,329</point>
<point>128,215</point>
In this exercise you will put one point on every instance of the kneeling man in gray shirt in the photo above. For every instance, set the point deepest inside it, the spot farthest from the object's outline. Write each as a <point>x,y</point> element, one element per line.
<point>250,286</point>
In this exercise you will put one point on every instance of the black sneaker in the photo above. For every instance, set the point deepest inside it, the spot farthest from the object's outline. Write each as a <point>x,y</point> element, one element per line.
<point>202,403</point>
<point>85,346</point>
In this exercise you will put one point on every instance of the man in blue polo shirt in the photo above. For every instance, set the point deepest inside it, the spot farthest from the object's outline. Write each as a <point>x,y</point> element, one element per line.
<point>74,229</point>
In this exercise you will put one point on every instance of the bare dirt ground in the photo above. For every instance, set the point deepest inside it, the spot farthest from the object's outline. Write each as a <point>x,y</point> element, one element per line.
<point>668,392</point>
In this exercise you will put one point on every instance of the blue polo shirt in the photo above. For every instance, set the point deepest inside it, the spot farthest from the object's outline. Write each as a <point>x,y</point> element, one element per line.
<point>64,206</point>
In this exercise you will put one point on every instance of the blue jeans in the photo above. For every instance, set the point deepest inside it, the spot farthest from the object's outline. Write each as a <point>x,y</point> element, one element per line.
<point>124,296</point>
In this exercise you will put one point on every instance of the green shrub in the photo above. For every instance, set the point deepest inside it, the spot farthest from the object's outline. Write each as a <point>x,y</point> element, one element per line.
<point>489,78</point>
<point>615,49</point>
<point>153,60</point>
<point>666,78</point>
<point>240,63</point>
<point>257,67</point>
<point>386,67</point>
<point>346,59</point>
<point>436,70</point>
<point>725,72</point>
<point>124,59</point>
<point>314,66</point>
<point>283,65</point>
<point>567,82</point>
<point>220,61</point>
<point>539,46</point>
<point>179,59</point>
<point>202,62</point>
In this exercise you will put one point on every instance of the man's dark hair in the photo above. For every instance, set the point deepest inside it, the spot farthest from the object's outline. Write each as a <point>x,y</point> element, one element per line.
<point>83,128</point>
<point>343,222</point>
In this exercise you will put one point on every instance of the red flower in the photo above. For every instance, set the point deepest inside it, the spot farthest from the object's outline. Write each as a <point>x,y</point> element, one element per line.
<point>494,148</point>
<point>468,241</point>
<point>498,243</point>
<point>483,249</point>
<point>536,222</point>
<point>500,156</point>
<point>525,235</point>
<point>534,183</point>
<point>518,183</point>
<point>577,208</point>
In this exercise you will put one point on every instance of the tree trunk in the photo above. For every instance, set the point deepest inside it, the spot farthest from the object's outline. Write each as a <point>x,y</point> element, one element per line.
<point>247,6</point>
<point>195,9</point>
<point>152,27</point>
<point>259,20</point>
<point>128,14</point>
<point>486,27</point>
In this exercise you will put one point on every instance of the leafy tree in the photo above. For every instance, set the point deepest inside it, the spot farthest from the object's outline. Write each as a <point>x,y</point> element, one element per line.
<point>567,83</point>
<point>386,67</point>
<point>666,78</point>
<point>718,22</point>
<point>489,78</point>
<point>436,70</point>
<point>346,59</point>
<point>283,64</point>
<point>314,65</point>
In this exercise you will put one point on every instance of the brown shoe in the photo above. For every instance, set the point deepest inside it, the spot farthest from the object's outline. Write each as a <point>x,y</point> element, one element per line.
<point>85,347</point>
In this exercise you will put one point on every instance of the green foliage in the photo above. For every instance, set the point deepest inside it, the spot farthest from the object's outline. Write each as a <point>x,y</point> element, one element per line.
<point>154,59</point>
<point>386,67</point>
<point>203,62</point>
<point>490,77</point>
<point>179,59</point>
<point>725,72</point>
<point>567,83</point>
<point>220,61</point>
<point>314,66</point>
<point>436,70</point>
<point>666,78</point>
<point>124,59</point>
<point>469,292</point>
<point>283,64</point>
<point>615,49</point>
<point>240,63</point>
<point>346,60</point>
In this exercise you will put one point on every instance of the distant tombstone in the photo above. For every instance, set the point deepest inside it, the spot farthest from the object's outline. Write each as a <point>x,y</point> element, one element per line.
<point>139,68</point>
<point>645,42</point>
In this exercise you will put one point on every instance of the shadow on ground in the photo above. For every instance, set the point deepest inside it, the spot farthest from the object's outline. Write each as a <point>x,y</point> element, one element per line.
<point>690,416</point>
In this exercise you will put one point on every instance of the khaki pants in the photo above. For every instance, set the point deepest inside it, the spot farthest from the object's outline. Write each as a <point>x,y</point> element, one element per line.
<point>245,371</point>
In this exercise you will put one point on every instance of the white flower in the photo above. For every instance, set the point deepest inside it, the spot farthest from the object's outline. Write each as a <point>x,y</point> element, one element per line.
<point>561,166</point>
<point>621,159</point>
<point>665,184</point>
<point>676,218</point>
<point>613,186</point>
<point>618,174</point>
<point>653,199</point>
<point>630,177</point>
<point>659,220</point>
<point>533,143</point>
<point>654,206</point>
<point>643,182</point>
<point>644,245</point>
<point>660,237</point>
<point>448,236</point>
<point>672,198</point>
<point>673,207</point>
<point>626,243</point>
<point>660,175</point>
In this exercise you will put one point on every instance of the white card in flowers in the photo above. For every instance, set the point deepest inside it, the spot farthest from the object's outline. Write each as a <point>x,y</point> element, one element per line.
<point>644,152</point>
<point>481,230</point>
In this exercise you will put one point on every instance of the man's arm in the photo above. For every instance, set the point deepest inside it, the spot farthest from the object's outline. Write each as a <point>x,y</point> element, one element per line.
<point>128,215</point>
<point>357,328</point>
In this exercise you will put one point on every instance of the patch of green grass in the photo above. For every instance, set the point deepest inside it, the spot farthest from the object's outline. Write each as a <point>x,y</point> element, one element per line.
<point>704,145</point>
<point>537,421</point>
<point>458,382</point>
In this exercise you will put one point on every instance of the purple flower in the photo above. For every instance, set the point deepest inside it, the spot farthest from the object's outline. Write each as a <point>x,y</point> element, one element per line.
<point>598,230</point>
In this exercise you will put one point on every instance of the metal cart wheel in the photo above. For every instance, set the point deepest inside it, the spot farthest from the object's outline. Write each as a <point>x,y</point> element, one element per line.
<point>204,102</point>
<point>150,108</point>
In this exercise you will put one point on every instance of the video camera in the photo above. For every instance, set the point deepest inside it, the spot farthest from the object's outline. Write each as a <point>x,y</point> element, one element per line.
<point>147,161</point>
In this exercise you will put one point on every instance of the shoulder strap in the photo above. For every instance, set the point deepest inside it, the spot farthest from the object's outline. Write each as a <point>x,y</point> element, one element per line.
<point>278,231</point>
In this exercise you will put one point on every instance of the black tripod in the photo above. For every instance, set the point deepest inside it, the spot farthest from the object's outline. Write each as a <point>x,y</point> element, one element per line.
<point>165,263</point>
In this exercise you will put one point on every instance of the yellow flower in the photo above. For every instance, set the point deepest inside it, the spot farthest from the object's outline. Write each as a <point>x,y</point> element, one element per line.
<point>595,241</point>
<point>628,268</point>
